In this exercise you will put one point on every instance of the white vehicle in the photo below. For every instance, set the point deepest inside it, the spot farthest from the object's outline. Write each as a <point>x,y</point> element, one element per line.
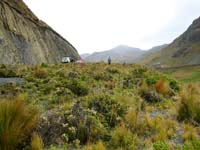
<point>67,60</point>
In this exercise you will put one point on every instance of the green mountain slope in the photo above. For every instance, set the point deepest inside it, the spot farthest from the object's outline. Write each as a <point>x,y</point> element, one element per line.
<point>185,50</point>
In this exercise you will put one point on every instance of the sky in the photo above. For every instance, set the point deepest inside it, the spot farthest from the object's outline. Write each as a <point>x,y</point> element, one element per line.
<point>98,25</point>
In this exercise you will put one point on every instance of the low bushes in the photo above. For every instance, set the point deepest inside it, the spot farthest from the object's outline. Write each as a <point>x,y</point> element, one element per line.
<point>108,108</point>
<point>159,145</point>
<point>5,72</point>
<point>83,125</point>
<point>193,145</point>
<point>78,87</point>
<point>152,97</point>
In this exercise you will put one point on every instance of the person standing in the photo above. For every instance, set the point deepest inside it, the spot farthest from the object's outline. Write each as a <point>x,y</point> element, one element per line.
<point>109,60</point>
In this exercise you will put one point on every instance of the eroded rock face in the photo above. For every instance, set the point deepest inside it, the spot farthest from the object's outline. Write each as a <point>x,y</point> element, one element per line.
<point>24,39</point>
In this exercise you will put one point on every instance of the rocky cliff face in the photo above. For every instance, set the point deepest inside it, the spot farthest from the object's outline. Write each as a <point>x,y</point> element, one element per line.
<point>24,39</point>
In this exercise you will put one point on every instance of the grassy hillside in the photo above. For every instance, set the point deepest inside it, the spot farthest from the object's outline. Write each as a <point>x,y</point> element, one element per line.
<point>185,74</point>
<point>185,50</point>
<point>98,107</point>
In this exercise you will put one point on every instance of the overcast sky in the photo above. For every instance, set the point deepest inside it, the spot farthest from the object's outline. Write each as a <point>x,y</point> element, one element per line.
<point>97,25</point>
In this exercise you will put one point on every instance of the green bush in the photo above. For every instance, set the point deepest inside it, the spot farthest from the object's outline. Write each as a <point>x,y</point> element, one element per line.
<point>5,72</point>
<point>152,97</point>
<point>108,108</point>
<point>193,145</point>
<point>78,87</point>
<point>159,145</point>
<point>84,126</point>
<point>174,85</point>
<point>139,72</point>
<point>152,80</point>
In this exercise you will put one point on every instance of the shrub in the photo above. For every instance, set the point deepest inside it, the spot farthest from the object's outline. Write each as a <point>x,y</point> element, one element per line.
<point>193,145</point>
<point>174,85</point>
<point>36,142</point>
<point>78,87</point>
<point>44,65</point>
<point>152,97</point>
<point>151,80</point>
<point>139,72</point>
<point>16,123</point>
<point>189,104</point>
<point>159,145</point>
<point>5,72</point>
<point>84,126</point>
<point>108,108</point>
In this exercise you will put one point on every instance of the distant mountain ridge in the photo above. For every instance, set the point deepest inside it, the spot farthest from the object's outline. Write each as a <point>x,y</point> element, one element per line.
<point>119,54</point>
<point>150,52</point>
<point>185,50</point>
<point>24,39</point>
<point>85,55</point>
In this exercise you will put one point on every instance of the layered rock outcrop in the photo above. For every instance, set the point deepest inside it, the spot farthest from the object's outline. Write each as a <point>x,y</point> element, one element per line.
<point>24,39</point>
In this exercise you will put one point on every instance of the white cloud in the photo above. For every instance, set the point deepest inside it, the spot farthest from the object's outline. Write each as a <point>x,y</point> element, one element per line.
<point>94,25</point>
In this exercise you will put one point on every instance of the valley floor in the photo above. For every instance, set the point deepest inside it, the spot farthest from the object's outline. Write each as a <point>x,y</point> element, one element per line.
<point>185,74</point>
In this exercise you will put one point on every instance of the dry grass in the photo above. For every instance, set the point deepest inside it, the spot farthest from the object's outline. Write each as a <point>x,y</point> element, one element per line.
<point>189,104</point>
<point>163,129</point>
<point>131,120</point>
<point>99,146</point>
<point>190,133</point>
<point>39,72</point>
<point>36,142</point>
<point>16,123</point>
<point>162,87</point>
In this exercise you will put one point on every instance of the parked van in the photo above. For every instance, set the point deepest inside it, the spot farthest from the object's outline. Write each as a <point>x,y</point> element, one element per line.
<point>67,60</point>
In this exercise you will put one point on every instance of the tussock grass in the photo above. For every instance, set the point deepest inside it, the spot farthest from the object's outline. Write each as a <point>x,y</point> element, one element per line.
<point>36,142</point>
<point>16,123</point>
<point>189,104</point>
<point>162,87</point>
<point>190,133</point>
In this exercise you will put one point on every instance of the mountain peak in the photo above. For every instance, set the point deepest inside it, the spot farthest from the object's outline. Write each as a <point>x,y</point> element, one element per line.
<point>119,54</point>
